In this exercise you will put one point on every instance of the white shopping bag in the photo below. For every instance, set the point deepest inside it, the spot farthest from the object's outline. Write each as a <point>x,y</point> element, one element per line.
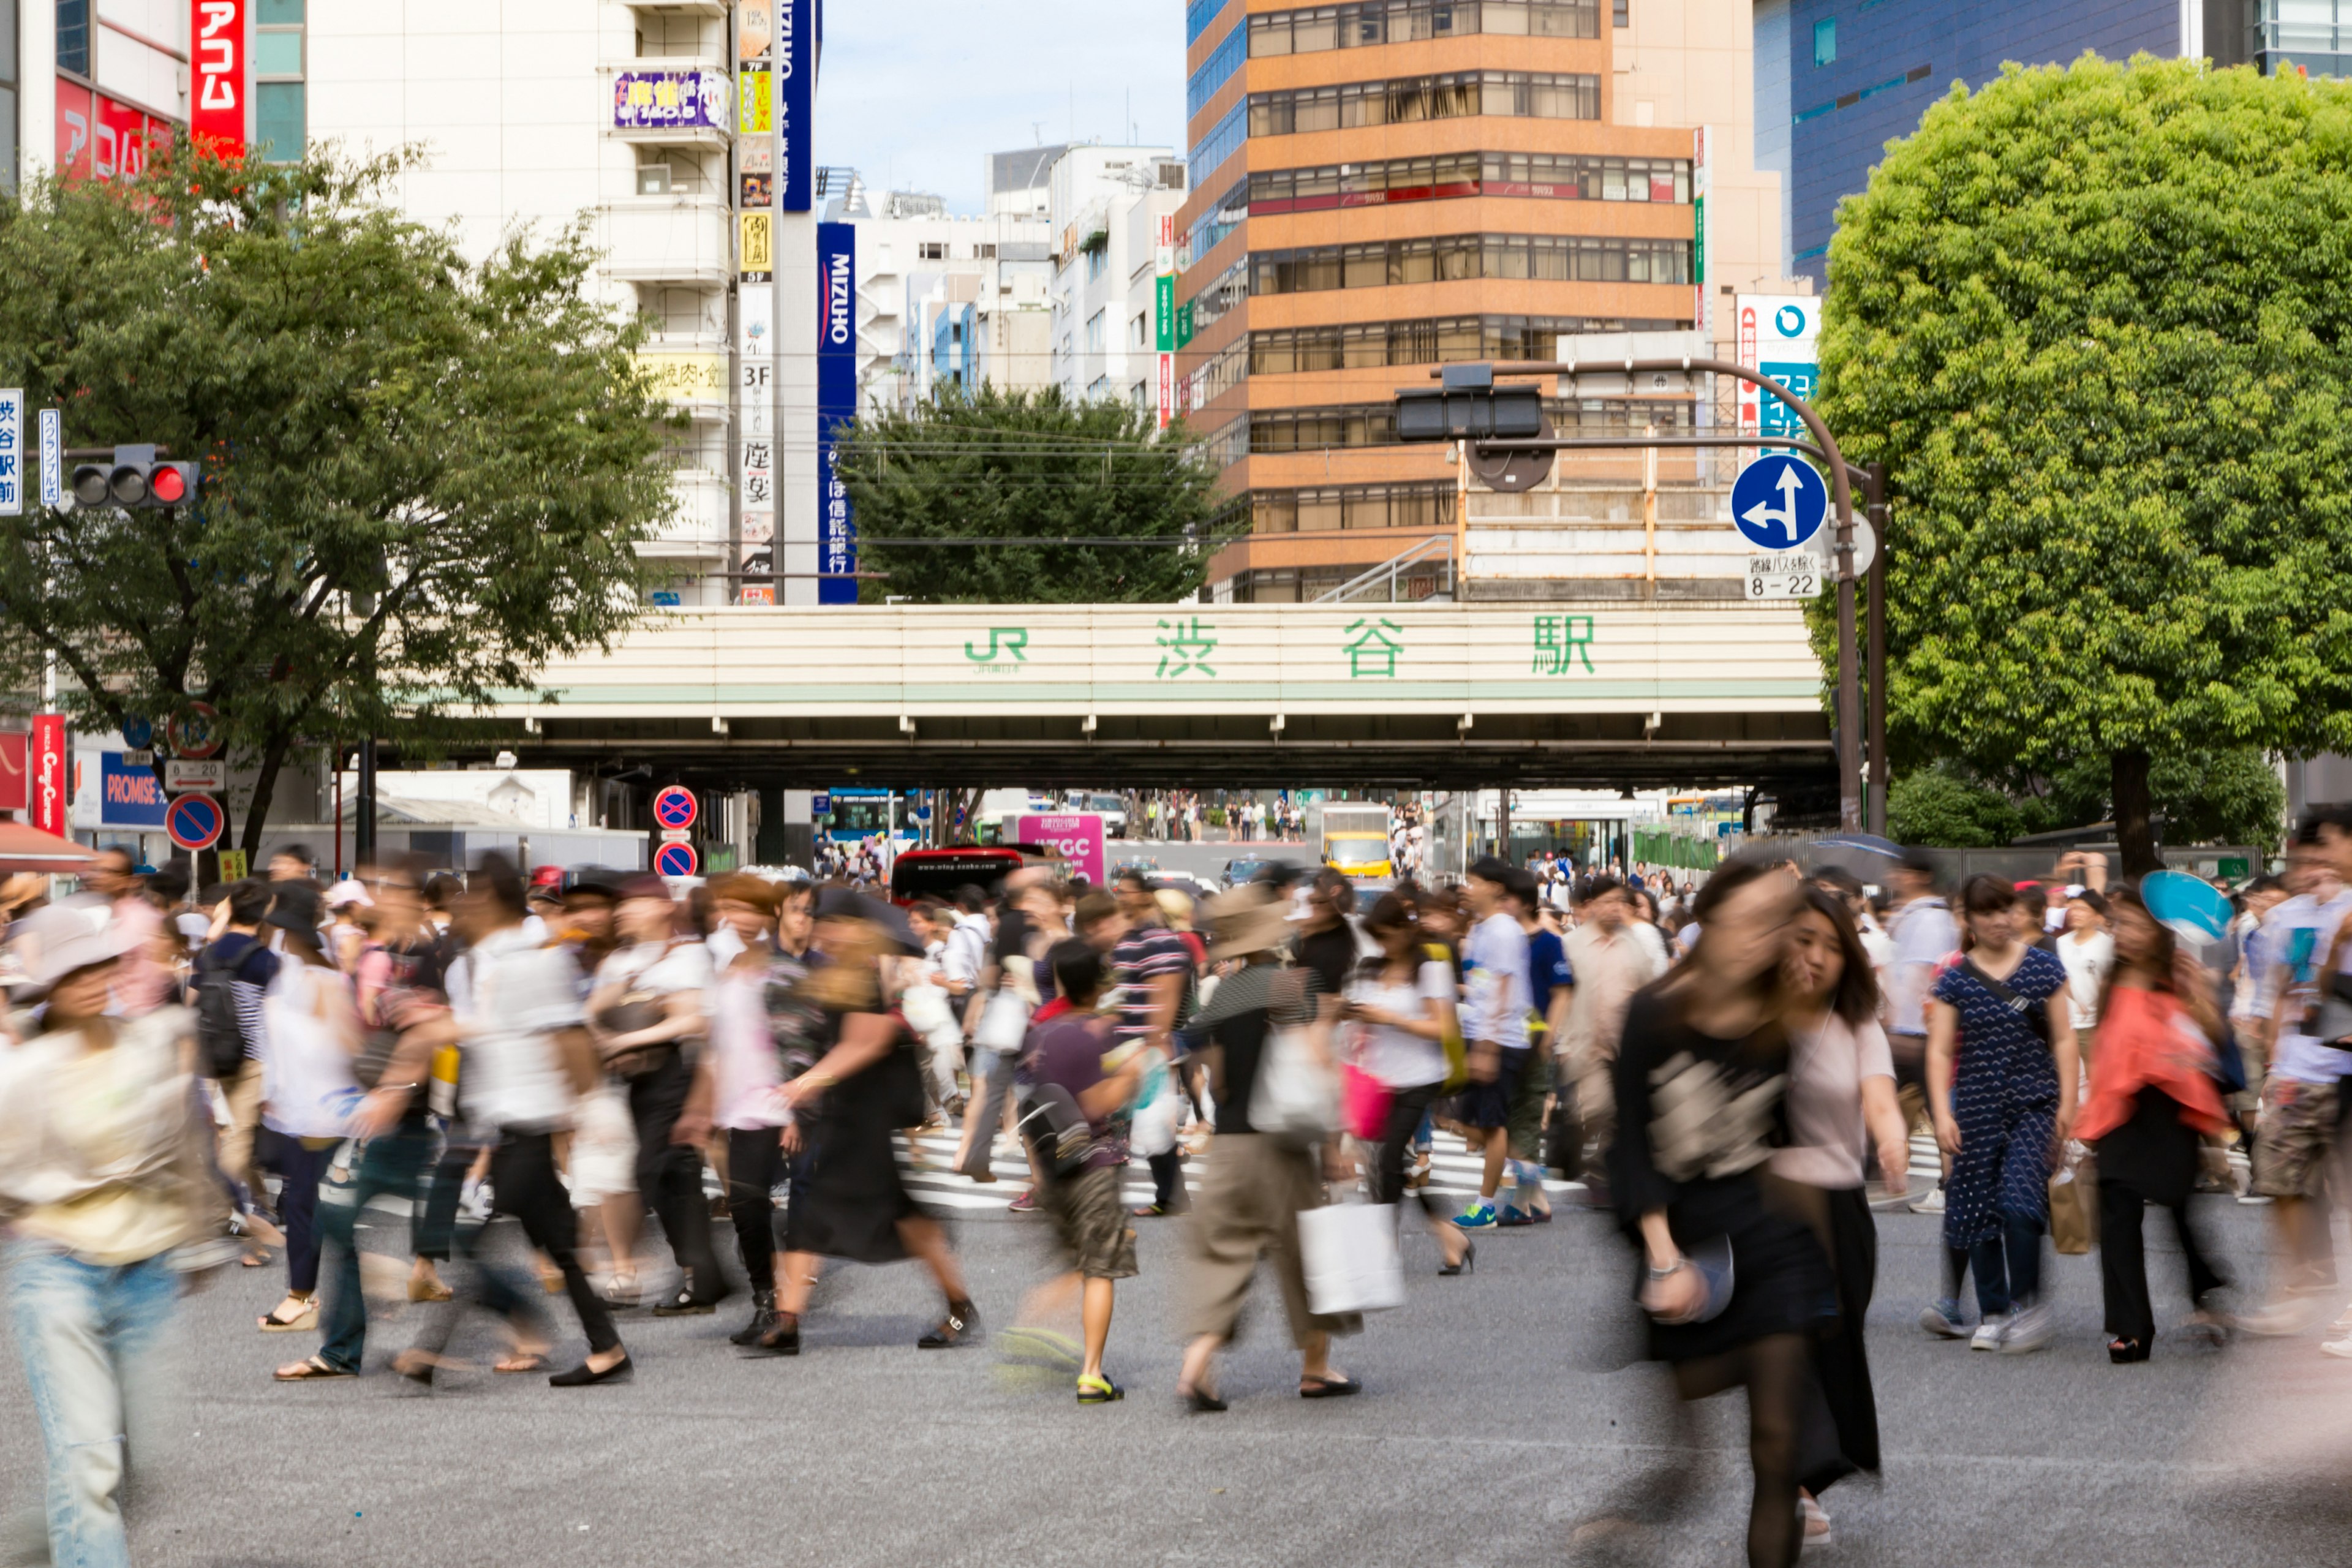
<point>1349,1254</point>
<point>1154,1130</point>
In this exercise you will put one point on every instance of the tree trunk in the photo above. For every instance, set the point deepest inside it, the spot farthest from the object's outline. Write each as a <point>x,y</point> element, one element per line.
<point>2134,833</point>
<point>264,786</point>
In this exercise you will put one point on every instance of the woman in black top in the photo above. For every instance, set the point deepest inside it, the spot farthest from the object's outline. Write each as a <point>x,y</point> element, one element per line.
<point>1734,1288</point>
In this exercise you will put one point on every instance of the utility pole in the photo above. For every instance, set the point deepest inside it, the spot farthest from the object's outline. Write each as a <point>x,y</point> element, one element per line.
<point>1882,771</point>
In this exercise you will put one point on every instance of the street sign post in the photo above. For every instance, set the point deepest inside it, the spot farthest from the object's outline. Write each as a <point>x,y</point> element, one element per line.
<point>1779,502</point>
<point>677,835</point>
<point>675,806</point>
<point>195,733</point>
<point>195,821</point>
<point>676,860</point>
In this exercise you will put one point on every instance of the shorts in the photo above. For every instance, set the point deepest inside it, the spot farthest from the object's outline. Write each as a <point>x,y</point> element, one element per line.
<point>1089,1215</point>
<point>1525,1115</point>
<point>603,1159</point>
<point>1489,1104</point>
<point>2296,1138</point>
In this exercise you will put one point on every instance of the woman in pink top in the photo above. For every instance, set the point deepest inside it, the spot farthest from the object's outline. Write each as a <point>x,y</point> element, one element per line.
<point>741,1080</point>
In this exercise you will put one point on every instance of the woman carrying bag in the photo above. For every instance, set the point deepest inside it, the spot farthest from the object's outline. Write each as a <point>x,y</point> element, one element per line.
<point>2152,1096</point>
<point>1402,1006</point>
<point>1259,1172</point>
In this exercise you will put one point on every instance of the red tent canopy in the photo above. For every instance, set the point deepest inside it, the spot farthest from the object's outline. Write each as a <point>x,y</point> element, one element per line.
<point>24,847</point>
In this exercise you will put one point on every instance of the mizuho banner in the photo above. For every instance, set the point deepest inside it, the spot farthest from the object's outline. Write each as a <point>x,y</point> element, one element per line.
<point>836,405</point>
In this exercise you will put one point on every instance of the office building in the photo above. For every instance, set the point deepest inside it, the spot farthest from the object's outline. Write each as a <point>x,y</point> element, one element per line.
<point>1837,79</point>
<point>84,86</point>
<point>1381,186</point>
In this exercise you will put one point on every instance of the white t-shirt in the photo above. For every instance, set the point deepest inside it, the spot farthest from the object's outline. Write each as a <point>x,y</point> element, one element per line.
<point>2087,960</point>
<point>307,1055</point>
<point>1499,989</point>
<point>510,996</point>
<point>1826,1132</point>
<point>1924,937</point>
<point>2295,941</point>
<point>1397,1057</point>
<point>745,1075</point>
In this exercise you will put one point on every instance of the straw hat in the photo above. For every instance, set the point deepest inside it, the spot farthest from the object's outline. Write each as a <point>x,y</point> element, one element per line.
<point>1249,919</point>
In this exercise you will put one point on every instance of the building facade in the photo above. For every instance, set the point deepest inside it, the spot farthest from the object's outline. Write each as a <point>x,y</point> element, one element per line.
<point>1837,79</point>
<point>86,85</point>
<point>1381,186</point>
<point>1105,205</point>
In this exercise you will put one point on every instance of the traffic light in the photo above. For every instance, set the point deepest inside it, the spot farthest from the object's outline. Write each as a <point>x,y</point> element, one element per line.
<point>1468,407</point>
<point>135,479</point>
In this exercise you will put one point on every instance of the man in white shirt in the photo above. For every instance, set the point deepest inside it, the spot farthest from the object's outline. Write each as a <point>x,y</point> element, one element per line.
<point>967,944</point>
<point>1494,1020</point>
<point>1610,963</point>
<point>526,1059</point>
<point>1924,935</point>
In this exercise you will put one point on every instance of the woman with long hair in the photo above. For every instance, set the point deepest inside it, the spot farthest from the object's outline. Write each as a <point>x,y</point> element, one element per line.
<point>2152,1095</point>
<point>1840,1104</point>
<point>1734,1287</point>
<point>1401,1005</point>
<point>2001,1076</point>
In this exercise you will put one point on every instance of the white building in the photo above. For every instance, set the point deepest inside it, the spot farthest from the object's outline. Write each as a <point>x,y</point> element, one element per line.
<point>84,84</point>
<point>1105,204</point>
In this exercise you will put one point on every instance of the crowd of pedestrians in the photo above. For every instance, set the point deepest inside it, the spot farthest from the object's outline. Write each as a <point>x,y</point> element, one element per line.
<point>1732,1068</point>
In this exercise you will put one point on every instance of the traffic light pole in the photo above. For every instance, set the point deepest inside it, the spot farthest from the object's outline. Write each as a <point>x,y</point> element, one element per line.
<point>1824,445</point>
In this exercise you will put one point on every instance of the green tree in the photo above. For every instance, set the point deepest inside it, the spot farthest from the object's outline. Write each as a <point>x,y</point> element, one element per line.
<point>422,475</point>
<point>1023,467</point>
<point>1942,809</point>
<point>2228,796</point>
<point>2097,322</point>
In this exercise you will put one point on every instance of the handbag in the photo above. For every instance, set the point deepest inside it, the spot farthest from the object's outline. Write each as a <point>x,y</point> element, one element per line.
<point>2075,1205</point>
<point>1457,1051</point>
<point>1002,1022</point>
<point>1153,1128</point>
<point>638,1009</point>
<point>1295,1097</point>
<point>1364,1102</point>
<point>1348,1254</point>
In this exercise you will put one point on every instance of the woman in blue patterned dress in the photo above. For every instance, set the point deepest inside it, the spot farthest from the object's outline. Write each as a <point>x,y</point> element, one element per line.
<point>2001,1073</point>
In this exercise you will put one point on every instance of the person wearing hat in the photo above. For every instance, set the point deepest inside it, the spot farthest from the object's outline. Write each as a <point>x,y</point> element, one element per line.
<point>850,1200</point>
<point>103,1176</point>
<point>310,1040</point>
<point>1248,1205</point>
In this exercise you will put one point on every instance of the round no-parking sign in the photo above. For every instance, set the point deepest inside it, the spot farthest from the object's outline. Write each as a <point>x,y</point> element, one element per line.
<point>194,821</point>
<point>674,807</point>
<point>676,860</point>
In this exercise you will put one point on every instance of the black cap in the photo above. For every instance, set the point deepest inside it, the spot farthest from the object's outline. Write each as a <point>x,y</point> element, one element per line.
<point>293,906</point>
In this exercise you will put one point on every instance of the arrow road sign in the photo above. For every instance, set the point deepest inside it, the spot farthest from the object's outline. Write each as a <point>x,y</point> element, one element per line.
<point>194,821</point>
<point>1779,502</point>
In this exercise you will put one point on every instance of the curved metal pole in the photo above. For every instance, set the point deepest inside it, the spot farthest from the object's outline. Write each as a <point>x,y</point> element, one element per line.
<point>1849,686</point>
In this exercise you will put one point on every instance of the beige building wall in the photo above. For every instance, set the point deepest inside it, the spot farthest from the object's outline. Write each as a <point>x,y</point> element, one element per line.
<point>1692,62</point>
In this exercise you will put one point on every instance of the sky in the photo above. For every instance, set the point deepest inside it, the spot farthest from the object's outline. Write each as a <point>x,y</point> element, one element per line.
<point>914,94</point>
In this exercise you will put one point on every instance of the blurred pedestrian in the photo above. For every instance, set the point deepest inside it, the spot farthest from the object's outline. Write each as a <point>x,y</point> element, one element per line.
<point>2002,1075</point>
<point>309,1087</point>
<point>2152,1094</point>
<point>1734,1288</point>
<point>1496,997</point>
<point>1400,1007</point>
<point>103,1178</point>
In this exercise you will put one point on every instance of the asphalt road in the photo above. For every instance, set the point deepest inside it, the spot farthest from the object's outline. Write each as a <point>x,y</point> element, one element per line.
<point>1498,1416</point>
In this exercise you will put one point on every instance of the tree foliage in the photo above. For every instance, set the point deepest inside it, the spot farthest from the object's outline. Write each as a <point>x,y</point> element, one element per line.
<point>2097,322</point>
<point>2230,796</point>
<point>996,465</point>
<point>1943,809</point>
<point>422,475</point>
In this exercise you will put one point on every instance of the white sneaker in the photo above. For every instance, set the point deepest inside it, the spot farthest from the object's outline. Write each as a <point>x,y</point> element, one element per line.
<point>2340,1349</point>
<point>1933,1203</point>
<point>2288,1318</point>
<point>1942,1318</point>
<point>1990,1332</point>
<point>2029,1329</point>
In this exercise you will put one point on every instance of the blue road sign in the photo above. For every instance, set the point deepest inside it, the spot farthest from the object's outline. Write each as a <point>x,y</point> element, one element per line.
<point>194,821</point>
<point>1779,502</point>
<point>676,860</point>
<point>138,732</point>
<point>674,807</point>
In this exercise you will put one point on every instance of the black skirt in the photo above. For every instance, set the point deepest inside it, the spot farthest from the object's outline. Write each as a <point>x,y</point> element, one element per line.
<point>1779,1281</point>
<point>849,1196</point>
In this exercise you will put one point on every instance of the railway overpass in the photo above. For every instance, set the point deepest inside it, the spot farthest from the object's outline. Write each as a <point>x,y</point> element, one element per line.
<point>1432,695</point>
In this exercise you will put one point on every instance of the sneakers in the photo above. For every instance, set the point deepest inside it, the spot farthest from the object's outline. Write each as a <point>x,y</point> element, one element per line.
<point>1477,1216</point>
<point>2029,1329</point>
<point>1990,1332</point>
<point>1933,1203</point>
<point>2340,1349</point>
<point>2287,1317</point>
<point>1026,1203</point>
<point>1512,1218</point>
<point>1942,1318</point>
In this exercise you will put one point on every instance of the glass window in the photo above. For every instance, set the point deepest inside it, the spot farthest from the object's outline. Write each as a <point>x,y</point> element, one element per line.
<point>277,54</point>
<point>73,35</point>
<point>1825,41</point>
<point>279,124</point>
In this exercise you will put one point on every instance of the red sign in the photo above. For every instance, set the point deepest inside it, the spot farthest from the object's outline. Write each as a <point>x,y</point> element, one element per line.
<point>194,733</point>
<point>217,76</point>
<point>675,806</point>
<point>13,792</point>
<point>98,138</point>
<point>52,793</point>
<point>195,821</point>
<point>676,860</point>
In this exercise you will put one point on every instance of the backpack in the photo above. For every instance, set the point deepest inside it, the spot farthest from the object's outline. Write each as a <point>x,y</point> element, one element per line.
<point>219,1032</point>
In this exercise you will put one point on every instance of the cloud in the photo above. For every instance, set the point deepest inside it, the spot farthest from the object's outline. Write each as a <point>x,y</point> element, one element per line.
<point>915,93</point>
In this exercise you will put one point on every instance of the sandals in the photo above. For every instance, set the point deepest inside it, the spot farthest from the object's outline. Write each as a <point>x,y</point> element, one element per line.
<point>519,1364</point>
<point>1098,1390</point>
<point>307,1318</point>
<point>312,1369</point>
<point>2122,1352</point>
<point>1323,1386</point>
<point>1199,1402</point>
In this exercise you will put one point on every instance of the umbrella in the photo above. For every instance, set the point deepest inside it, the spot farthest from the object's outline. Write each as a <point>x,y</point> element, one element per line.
<point>1870,843</point>
<point>844,903</point>
<point>2190,905</point>
<point>24,847</point>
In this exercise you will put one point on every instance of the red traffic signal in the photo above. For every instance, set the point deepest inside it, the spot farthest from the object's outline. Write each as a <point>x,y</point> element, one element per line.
<point>133,479</point>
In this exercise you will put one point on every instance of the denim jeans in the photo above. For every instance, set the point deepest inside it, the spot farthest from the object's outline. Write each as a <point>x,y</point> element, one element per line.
<point>93,1341</point>
<point>393,1165</point>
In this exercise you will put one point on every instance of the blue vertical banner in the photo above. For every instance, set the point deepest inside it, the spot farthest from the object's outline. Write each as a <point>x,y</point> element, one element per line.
<point>795,93</point>
<point>837,405</point>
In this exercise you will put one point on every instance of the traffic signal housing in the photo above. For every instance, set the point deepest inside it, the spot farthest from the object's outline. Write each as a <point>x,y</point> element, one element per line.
<point>135,479</point>
<point>1468,407</point>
